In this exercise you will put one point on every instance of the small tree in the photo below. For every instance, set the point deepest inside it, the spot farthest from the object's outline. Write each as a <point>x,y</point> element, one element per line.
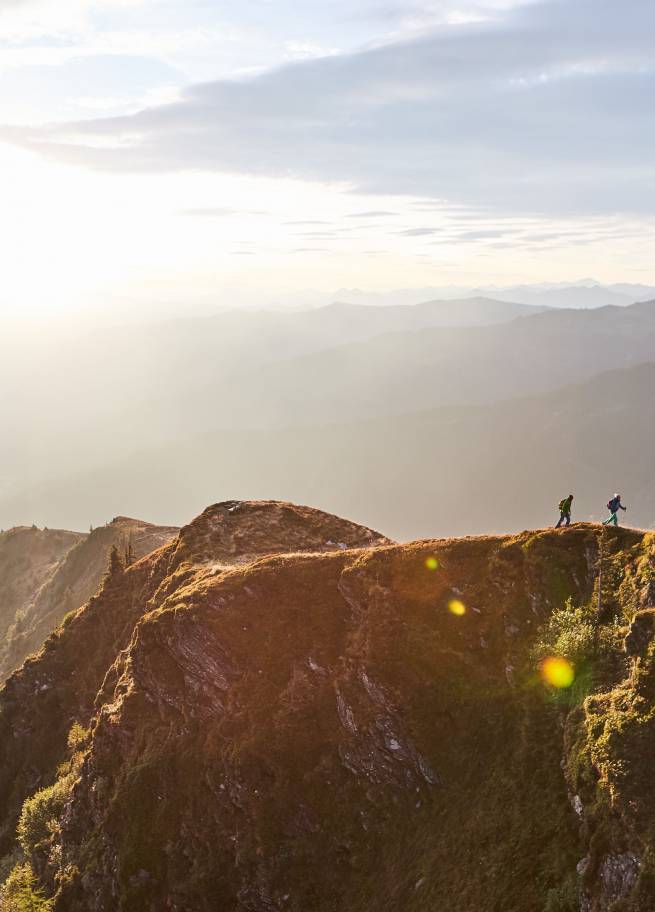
<point>129,551</point>
<point>116,566</point>
<point>21,893</point>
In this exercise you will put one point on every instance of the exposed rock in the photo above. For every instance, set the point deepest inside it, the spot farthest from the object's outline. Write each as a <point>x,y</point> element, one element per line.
<point>237,532</point>
<point>641,633</point>
<point>577,805</point>
<point>618,875</point>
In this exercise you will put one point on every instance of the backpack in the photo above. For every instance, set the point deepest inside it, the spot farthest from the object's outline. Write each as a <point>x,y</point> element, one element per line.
<point>563,505</point>
<point>612,505</point>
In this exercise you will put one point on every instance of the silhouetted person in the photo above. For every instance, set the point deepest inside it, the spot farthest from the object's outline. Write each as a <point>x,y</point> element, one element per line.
<point>614,506</point>
<point>565,511</point>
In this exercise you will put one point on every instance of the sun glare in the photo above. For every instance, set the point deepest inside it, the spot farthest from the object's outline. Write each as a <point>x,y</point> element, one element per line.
<point>557,672</point>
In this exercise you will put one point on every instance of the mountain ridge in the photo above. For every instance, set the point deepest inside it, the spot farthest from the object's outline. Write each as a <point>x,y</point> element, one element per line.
<point>322,729</point>
<point>70,583</point>
<point>29,557</point>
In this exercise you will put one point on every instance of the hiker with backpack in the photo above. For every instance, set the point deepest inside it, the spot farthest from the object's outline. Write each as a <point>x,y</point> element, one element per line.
<point>614,505</point>
<point>564,508</point>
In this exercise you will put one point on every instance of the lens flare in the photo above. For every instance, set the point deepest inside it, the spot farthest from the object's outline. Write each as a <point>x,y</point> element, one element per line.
<point>557,672</point>
<point>456,607</point>
<point>431,563</point>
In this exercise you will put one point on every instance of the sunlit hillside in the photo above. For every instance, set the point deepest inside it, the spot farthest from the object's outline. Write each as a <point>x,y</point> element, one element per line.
<point>341,724</point>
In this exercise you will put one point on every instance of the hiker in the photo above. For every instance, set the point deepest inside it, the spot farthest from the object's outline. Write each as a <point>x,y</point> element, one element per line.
<point>614,506</point>
<point>564,508</point>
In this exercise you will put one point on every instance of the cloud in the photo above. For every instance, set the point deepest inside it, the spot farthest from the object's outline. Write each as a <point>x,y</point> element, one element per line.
<point>218,212</point>
<point>372,214</point>
<point>319,234</point>
<point>99,85</point>
<point>418,232</point>
<point>543,109</point>
<point>481,234</point>
<point>305,50</point>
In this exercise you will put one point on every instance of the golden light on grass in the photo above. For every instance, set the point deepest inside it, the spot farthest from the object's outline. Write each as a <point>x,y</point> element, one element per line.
<point>431,562</point>
<point>557,672</point>
<point>456,607</point>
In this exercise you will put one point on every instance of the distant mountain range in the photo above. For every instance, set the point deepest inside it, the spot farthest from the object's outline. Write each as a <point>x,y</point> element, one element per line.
<point>78,396</point>
<point>585,293</point>
<point>450,471</point>
<point>376,412</point>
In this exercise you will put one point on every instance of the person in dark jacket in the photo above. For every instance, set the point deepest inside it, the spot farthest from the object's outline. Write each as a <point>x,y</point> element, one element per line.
<point>565,511</point>
<point>614,506</point>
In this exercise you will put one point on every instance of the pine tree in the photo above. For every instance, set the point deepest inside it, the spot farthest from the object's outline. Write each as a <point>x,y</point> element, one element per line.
<point>129,551</point>
<point>116,566</point>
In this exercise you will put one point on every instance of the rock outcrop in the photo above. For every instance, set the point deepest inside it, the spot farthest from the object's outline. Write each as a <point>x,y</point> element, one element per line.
<point>285,711</point>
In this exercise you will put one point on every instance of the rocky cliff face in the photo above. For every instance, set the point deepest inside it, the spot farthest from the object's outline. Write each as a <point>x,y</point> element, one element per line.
<point>284,711</point>
<point>46,574</point>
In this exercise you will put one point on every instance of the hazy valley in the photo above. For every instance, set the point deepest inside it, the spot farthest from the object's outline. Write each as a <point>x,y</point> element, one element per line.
<point>388,428</point>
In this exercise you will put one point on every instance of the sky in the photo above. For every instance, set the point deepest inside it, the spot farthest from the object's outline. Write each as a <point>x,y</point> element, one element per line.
<point>161,157</point>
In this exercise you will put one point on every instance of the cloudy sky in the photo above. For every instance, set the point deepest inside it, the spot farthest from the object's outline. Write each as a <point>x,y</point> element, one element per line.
<point>165,154</point>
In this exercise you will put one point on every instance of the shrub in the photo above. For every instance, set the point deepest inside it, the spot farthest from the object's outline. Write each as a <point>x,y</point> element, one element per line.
<point>39,819</point>
<point>9,862</point>
<point>40,815</point>
<point>569,633</point>
<point>564,898</point>
<point>77,737</point>
<point>572,634</point>
<point>20,892</point>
